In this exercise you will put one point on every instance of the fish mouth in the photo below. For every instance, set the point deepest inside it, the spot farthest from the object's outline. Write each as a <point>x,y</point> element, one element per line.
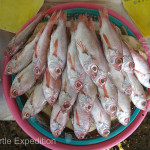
<point>80,136</point>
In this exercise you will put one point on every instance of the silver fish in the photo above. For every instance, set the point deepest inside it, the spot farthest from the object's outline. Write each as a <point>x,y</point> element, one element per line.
<point>81,121</point>
<point>51,87</point>
<point>90,52</point>
<point>58,120</point>
<point>123,109</point>
<point>87,95</point>
<point>23,82</point>
<point>23,58</point>
<point>21,38</point>
<point>35,103</point>
<point>111,41</point>
<point>67,95</point>
<point>57,55</point>
<point>76,74</point>
<point>101,119</point>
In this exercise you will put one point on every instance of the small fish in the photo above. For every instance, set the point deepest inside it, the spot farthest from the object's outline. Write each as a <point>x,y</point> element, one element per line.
<point>58,120</point>
<point>81,121</point>
<point>57,55</point>
<point>67,95</point>
<point>123,109</point>
<point>23,82</point>
<point>101,119</point>
<point>76,74</point>
<point>138,96</point>
<point>41,49</point>
<point>51,87</point>
<point>35,103</point>
<point>141,68</point>
<point>109,97</point>
<point>21,38</point>
<point>90,52</point>
<point>87,95</point>
<point>120,81</point>
<point>23,58</point>
<point>111,41</point>
<point>128,63</point>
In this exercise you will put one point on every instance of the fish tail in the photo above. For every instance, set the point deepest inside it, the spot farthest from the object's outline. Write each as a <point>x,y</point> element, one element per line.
<point>46,11</point>
<point>103,13</point>
<point>73,25</point>
<point>53,18</point>
<point>90,24</point>
<point>82,18</point>
<point>63,16</point>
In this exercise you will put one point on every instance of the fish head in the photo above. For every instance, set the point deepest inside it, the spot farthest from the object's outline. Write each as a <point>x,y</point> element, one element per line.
<point>56,129</point>
<point>141,104</point>
<point>115,59</point>
<point>103,129</point>
<point>8,70</point>
<point>80,132</point>
<point>15,91</point>
<point>128,64</point>
<point>110,106</point>
<point>146,80</point>
<point>27,112</point>
<point>123,117</point>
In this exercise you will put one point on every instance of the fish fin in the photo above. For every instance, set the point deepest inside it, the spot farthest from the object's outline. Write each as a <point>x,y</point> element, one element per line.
<point>55,120</point>
<point>47,78</point>
<point>77,118</point>
<point>114,26</point>
<point>105,92</point>
<point>63,16</point>
<point>70,61</point>
<point>31,100</point>
<point>100,21</point>
<point>90,24</point>
<point>19,54</point>
<point>41,31</point>
<point>107,41</point>
<point>19,79</point>
<point>53,18</point>
<point>55,48</point>
<point>65,86</point>
<point>84,50</point>
<point>73,25</point>
<point>120,109</point>
<point>35,51</point>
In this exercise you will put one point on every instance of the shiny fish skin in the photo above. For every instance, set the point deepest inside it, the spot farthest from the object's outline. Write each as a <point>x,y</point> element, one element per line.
<point>21,38</point>
<point>41,49</point>
<point>141,68</point>
<point>111,41</point>
<point>22,58</point>
<point>76,74</point>
<point>67,96</point>
<point>87,95</point>
<point>35,103</point>
<point>138,96</point>
<point>81,121</point>
<point>90,52</point>
<point>51,87</point>
<point>101,119</point>
<point>58,120</point>
<point>128,63</point>
<point>120,81</point>
<point>57,55</point>
<point>23,82</point>
<point>109,97</point>
<point>123,109</point>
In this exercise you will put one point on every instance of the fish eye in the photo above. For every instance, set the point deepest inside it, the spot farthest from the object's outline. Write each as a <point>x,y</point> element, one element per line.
<point>131,65</point>
<point>102,81</point>
<point>94,68</point>
<point>27,115</point>
<point>127,120</point>
<point>37,70</point>
<point>128,91</point>
<point>144,103</point>
<point>57,131</point>
<point>14,93</point>
<point>106,132</point>
<point>78,84</point>
<point>113,108</point>
<point>118,61</point>
<point>58,71</point>
<point>66,105</point>
<point>9,69</point>
<point>89,107</point>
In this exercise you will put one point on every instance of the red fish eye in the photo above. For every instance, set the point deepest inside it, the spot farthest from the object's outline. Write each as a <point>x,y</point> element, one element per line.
<point>52,100</point>
<point>118,61</point>
<point>144,103</point>
<point>66,105</point>
<point>132,65</point>
<point>81,136</point>
<point>113,108</point>
<point>78,84</point>
<point>14,93</point>
<point>127,120</point>
<point>89,107</point>
<point>94,68</point>
<point>58,71</point>
<point>9,69</point>
<point>27,115</point>
<point>57,132</point>
<point>102,81</point>
<point>128,91</point>
<point>106,132</point>
<point>37,70</point>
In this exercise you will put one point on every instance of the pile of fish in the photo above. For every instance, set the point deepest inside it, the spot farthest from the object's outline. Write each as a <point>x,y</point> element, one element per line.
<point>92,78</point>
